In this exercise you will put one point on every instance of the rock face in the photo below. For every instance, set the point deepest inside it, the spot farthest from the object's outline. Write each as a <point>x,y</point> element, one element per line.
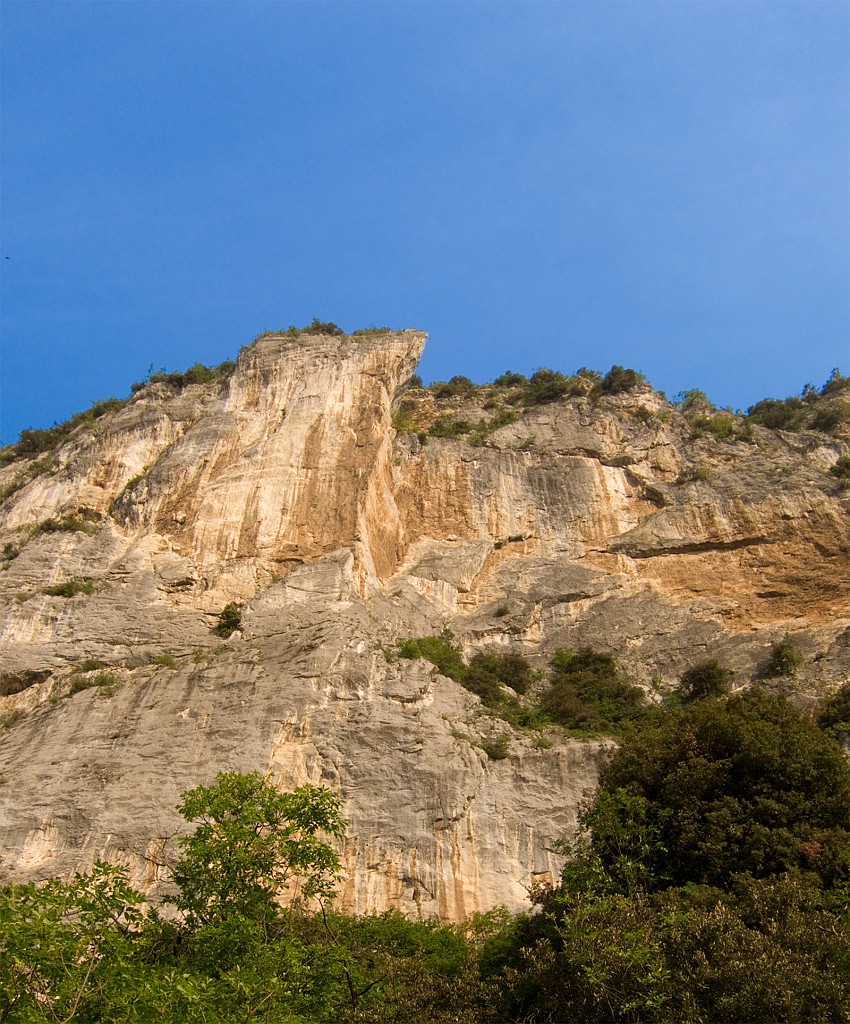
<point>287,489</point>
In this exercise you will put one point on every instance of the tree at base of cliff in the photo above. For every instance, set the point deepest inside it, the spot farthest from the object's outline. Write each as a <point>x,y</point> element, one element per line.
<point>708,882</point>
<point>83,951</point>
<point>253,842</point>
<point>739,785</point>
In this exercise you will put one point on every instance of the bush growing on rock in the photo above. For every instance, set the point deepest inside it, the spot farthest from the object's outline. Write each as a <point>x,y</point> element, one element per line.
<point>587,692</point>
<point>785,659</point>
<point>229,619</point>
<point>707,679</point>
<point>455,387</point>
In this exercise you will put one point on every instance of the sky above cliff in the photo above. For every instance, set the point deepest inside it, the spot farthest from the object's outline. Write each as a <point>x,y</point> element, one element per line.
<point>658,185</point>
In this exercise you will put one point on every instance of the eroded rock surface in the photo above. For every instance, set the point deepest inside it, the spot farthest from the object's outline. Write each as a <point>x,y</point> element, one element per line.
<point>286,489</point>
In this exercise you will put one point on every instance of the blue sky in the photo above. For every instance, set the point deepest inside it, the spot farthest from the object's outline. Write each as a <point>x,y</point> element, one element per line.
<point>659,185</point>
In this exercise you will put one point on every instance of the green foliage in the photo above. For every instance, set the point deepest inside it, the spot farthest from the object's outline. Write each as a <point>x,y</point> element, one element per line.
<point>768,950</point>
<point>447,426</point>
<point>545,386</point>
<point>196,374</point>
<point>90,665</point>
<point>785,659</point>
<point>588,693</point>
<point>706,883</point>
<point>744,784</point>
<point>229,619</point>
<point>164,661</point>
<point>590,378</point>
<point>414,971</point>
<point>11,718</point>
<point>318,327</point>
<point>841,469</point>
<point>497,749</point>
<point>371,332</point>
<point>441,651</point>
<point>692,474</point>
<point>618,380</point>
<point>402,421</point>
<point>485,427</point>
<point>826,420</point>
<point>510,380</point>
<point>456,387</point>
<point>822,410</point>
<point>84,950</point>
<point>488,671</point>
<point>107,682</point>
<point>486,675</point>
<point>832,713</point>
<point>80,523</point>
<point>324,327</point>
<point>251,843</point>
<point>707,679</point>
<point>836,385</point>
<point>71,587</point>
<point>33,442</point>
<point>693,401</point>
<point>615,941</point>
<point>786,414</point>
<point>37,468</point>
<point>720,424</point>
<point>204,654</point>
<point>10,551</point>
<point>66,948</point>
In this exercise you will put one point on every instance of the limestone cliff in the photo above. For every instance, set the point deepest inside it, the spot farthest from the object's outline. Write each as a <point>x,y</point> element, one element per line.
<point>287,488</point>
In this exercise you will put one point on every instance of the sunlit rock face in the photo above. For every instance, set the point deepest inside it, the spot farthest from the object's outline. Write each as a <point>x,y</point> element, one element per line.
<point>287,489</point>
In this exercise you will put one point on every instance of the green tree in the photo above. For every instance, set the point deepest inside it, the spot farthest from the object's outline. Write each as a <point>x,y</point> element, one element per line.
<point>229,619</point>
<point>66,948</point>
<point>832,713</point>
<point>251,843</point>
<point>660,915</point>
<point>785,659</point>
<point>707,679</point>
<point>545,386</point>
<point>618,379</point>
<point>742,784</point>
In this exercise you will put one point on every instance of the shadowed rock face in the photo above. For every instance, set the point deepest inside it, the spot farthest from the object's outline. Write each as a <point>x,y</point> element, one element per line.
<point>286,489</point>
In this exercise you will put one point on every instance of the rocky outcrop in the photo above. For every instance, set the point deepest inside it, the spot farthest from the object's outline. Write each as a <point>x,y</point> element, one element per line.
<point>287,489</point>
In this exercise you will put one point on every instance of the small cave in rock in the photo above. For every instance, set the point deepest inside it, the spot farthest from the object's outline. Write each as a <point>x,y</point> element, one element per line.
<point>17,682</point>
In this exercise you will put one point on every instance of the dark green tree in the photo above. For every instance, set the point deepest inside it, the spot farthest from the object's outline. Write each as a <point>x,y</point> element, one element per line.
<point>618,379</point>
<point>229,619</point>
<point>832,713</point>
<point>745,784</point>
<point>707,679</point>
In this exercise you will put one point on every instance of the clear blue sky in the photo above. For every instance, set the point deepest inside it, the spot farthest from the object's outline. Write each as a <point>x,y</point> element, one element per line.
<point>660,185</point>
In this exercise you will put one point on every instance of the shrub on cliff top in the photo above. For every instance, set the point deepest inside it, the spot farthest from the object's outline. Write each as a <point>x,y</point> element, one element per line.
<point>619,379</point>
<point>34,442</point>
<point>456,386</point>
